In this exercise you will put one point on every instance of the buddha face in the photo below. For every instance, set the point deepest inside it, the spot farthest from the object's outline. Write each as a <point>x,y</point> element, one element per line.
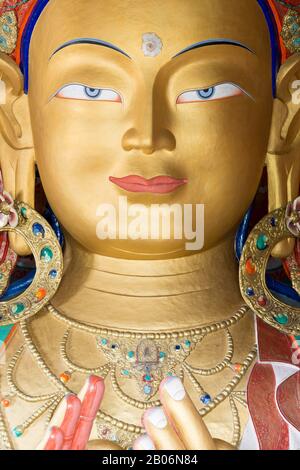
<point>178,116</point>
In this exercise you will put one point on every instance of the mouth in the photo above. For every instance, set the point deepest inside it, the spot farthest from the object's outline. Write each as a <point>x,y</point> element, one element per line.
<point>158,184</point>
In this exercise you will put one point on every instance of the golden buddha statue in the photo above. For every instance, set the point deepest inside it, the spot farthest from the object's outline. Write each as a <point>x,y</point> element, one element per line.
<point>188,108</point>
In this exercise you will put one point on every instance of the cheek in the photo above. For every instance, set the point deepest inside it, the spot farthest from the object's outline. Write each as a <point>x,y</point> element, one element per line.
<point>78,136</point>
<point>223,140</point>
<point>223,147</point>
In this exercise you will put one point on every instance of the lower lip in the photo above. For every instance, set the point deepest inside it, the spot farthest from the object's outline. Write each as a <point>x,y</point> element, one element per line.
<point>157,187</point>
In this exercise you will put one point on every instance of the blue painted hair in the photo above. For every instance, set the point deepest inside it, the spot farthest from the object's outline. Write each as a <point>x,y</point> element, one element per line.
<point>41,4</point>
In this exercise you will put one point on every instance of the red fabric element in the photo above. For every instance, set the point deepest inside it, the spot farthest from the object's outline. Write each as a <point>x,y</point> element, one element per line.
<point>273,346</point>
<point>288,399</point>
<point>271,429</point>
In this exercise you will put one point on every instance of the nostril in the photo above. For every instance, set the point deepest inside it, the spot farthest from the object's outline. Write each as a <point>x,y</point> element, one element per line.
<point>166,140</point>
<point>162,140</point>
<point>129,140</point>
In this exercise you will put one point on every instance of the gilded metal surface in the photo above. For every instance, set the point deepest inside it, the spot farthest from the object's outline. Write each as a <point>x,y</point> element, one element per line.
<point>44,284</point>
<point>267,233</point>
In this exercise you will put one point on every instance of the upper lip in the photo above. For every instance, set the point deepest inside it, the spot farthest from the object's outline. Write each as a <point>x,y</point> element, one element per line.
<point>135,179</point>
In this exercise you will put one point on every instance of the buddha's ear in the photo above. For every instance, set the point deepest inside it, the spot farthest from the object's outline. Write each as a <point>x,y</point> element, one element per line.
<point>283,158</point>
<point>17,160</point>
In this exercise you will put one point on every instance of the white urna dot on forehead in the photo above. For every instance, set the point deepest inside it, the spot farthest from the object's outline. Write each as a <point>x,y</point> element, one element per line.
<point>151,45</point>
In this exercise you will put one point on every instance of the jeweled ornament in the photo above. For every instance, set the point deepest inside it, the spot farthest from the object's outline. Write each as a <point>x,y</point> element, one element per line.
<point>65,377</point>
<point>18,431</point>
<point>258,247</point>
<point>250,267</point>
<point>250,291</point>
<point>5,403</point>
<point>205,398</point>
<point>46,254</point>
<point>17,309</point>
<point>38,230</point>
<point>40,294</point>
<point>262,242</point>
<point>53,274</point>
<point>281,318</point>
<point>262,301</point>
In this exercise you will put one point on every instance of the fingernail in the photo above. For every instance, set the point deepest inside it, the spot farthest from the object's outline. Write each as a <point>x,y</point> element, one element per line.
<point>157,417</point>
<point>175,388</point>
<point>91,382</point>
<point>91,396</point>
<point>143,443</point>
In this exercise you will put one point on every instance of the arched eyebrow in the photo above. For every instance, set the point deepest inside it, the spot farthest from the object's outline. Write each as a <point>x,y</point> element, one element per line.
<point>213,42</point>
<point>94,41</point>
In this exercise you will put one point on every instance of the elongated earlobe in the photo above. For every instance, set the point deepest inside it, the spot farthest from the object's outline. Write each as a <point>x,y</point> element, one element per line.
<point>17,158</point>
<point>283,162</point>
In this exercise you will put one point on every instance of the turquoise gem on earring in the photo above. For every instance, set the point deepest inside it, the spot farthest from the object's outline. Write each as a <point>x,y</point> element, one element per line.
<point>262,242</point>
<point>46,254</point>
<point>296,42</point>
<point>17,309</point>
<point>24,212</point>
<point>104,342</point>
<point>282,319</point>
<point>3,42</point>
<point>130,354</point>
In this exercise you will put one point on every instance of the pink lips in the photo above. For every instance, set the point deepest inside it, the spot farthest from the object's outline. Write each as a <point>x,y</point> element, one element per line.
<point>158,184</point>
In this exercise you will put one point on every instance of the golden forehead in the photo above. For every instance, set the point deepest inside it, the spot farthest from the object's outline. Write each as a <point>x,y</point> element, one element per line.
<point>176,23</point>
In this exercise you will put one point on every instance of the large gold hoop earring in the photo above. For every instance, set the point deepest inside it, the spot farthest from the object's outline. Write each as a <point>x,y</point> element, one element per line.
<point>19,218</point>
<point>276,226</point>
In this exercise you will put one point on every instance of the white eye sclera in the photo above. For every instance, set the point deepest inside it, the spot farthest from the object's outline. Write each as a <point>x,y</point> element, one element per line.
<point>217,92</point>
<point>81,92</point>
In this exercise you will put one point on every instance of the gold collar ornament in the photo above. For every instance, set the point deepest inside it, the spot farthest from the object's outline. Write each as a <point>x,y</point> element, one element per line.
<point>19,218</point>
<point>276,226</point>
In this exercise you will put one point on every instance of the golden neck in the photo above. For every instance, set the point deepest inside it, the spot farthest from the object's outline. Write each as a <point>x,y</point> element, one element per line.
<point>157,295</point>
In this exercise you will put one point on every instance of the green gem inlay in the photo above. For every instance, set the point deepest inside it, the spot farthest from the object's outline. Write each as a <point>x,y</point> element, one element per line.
<point>46,254</point>
<point>262,242</point>
<point>17,309</point>
<point>282,319</point>
<point>24,212</point>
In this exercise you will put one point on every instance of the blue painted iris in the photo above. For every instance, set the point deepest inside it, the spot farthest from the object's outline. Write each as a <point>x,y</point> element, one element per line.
<point>206,93</point>
<point>92,92</point>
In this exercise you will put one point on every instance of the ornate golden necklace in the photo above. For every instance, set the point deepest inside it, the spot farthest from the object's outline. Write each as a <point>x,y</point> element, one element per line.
<point>141,359</point>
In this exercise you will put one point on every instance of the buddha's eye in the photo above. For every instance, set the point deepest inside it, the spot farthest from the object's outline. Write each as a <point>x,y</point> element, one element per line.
<point>81,92</point>
<point>217,92</point>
